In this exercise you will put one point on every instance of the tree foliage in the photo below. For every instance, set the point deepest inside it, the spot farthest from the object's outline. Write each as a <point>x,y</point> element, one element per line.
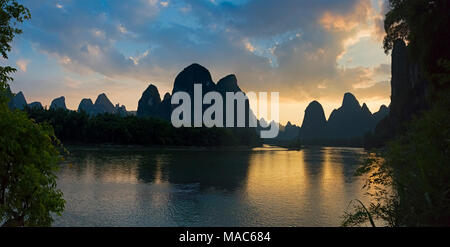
<point>423,24</point>
<point>11,13</point>
<point>408,180</point>
<point>28,156</point>
<point>80,128</point>
<point>28,164</point>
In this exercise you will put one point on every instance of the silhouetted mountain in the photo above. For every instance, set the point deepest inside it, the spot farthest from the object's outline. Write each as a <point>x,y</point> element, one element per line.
<point>121,110</point>
<point>408,96</point>
<point>365,110</point>
<point>350,102</point>
<point>193,74</point>
<point>36,105</point>
<point>228,84</point>
<point>382,113</point>
<point>165,109</point>
<point>144,130</point>
<point>149,104</point>
<point>346,126</point>
<point>314,122</point>
<point>102,105</point>
<point>86,105</point>
<point>350,120</point>
<point>185,81</point>
<point>58,103</point>
<point>289,132</point>
<point>17,101</point>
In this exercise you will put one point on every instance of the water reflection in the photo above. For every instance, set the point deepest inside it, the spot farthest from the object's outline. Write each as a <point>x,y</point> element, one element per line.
<point>207,187</point>
<point>223,170</point>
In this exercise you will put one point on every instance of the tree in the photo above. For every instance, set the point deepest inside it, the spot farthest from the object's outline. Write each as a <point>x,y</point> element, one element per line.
<point>28,155</point>
<point>423,24</point>
<point>28,162</point>
<point>409,178</point>
<point>11,13</point>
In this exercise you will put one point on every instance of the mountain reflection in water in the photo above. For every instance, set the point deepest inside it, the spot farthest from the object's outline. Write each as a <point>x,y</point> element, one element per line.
<point>265,186</point>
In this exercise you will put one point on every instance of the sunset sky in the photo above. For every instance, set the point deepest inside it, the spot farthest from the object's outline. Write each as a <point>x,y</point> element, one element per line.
<point>306,50</point>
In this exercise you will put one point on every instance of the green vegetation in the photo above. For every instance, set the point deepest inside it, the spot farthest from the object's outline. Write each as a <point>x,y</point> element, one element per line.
<point>335,142</point>
<point>294,144</point>
<point>10,11</point>
<point>408,180</point>
<point>28,163</point>
<point>28,156</point>
<point>78,127</point>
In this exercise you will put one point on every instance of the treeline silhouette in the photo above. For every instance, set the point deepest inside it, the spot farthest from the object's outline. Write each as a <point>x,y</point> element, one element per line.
<point>73,127</point>
<point>355,142</point>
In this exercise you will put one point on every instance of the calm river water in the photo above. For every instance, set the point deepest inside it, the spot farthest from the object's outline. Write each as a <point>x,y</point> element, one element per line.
<point>265,186</point>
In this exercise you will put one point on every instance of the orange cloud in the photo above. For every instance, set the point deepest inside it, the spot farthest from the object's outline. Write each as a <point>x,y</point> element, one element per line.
<point>23,64</point>
<point>337,22</point>
<point>347,22</point>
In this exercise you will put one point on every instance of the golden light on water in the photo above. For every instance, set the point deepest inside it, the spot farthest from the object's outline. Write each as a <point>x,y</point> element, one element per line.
<point>278,178</point>
<point>295,183</point>
<point>119,172</point>
<point>267,186</point>
<point>331,185</point>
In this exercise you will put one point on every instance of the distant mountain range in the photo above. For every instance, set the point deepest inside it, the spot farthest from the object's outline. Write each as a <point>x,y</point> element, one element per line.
<point>58,103</point>
<point>346,125</point>
<point>18,101</point>
<point>351,120</point>
<point>102,105</point>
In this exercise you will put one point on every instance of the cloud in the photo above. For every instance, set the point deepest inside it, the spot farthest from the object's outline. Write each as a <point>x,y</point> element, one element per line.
<point>382,70</point>
<point>383,7</point>
<point>164,3</point>
<point>23,64</point>
<point>138,58</point>
<point>290,46</point>
<point>122,29</point>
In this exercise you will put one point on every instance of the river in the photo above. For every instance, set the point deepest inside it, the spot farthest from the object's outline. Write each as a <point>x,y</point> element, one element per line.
<point>265,186</point>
